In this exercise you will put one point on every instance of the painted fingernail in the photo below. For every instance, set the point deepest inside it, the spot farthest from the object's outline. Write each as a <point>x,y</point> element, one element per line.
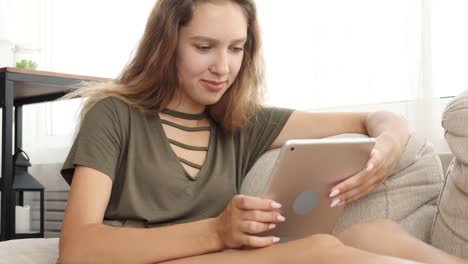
<point>370,167</point>
<point>335,202</point>
<point>275,205</point>
<point>334,193</point>
<point>281,218</point>
<point>271,226</point>
<point>276,239</point>
<point>341,203</point>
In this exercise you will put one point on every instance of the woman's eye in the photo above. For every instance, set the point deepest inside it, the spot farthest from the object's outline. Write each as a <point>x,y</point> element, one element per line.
<point>202,47</point>
<point>237,49</point>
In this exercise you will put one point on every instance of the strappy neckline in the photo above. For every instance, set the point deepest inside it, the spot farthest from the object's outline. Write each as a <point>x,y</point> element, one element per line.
<point>183,115</point>
<point>167,142</point>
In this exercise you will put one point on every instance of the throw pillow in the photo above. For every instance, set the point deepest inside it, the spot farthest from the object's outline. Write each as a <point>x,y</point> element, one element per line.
<point>450,230</point>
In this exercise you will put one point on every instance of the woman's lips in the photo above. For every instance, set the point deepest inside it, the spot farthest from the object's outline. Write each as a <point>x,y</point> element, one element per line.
<point>213,85</point>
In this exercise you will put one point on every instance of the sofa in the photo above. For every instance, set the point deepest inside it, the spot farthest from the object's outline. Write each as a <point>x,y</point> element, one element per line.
<point>427,193</point>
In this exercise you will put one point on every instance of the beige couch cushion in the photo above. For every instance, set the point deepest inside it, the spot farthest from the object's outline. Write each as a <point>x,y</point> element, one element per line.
<point>450,231</point>
<point>408,196</point>
<point>29,251</point>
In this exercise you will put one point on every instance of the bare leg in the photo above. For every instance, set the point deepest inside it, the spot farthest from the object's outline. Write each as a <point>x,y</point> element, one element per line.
<point>314,249</point>
<point>388,238</point>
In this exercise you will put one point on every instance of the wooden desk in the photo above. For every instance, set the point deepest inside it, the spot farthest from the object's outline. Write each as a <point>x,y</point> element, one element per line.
<point>17,88</point>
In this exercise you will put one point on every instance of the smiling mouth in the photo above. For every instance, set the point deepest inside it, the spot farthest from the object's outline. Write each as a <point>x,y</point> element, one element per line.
<point>214,86</point>
<point>214,82</point>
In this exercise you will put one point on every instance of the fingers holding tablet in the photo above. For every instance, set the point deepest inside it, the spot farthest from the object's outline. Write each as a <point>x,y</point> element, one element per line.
<point>254,203</point>
<point>362,183</point>
<point>263,216</point>
<point>246,216</point>
<point>303,176</point>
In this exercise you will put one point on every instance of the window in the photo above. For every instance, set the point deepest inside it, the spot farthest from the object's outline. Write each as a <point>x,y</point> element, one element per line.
<point>332,53</point>
<point>93,38</point>
<point>449,44</point>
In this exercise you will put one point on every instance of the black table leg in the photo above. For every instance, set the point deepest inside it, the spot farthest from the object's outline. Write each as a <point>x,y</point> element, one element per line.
<point>8,208</point>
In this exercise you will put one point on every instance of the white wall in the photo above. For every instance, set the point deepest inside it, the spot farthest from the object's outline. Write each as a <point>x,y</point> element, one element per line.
<point>23,22</point>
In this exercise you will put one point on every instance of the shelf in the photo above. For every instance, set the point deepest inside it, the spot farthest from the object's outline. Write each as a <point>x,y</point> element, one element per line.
<point>19,87</point>
<point>31,86</point>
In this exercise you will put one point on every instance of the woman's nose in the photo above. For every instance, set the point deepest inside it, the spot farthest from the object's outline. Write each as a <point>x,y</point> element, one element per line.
<point>221,64</point>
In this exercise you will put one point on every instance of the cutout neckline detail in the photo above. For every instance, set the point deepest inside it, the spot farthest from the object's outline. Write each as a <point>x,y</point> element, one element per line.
<point>183,115</point>
<point>179,160</point>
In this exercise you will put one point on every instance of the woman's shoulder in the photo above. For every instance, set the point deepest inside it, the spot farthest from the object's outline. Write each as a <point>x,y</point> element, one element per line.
<point>111,102</point>
<point>266,117</point>
<point>265,113</point>
<point>109,112</point>
<point>110,106</point>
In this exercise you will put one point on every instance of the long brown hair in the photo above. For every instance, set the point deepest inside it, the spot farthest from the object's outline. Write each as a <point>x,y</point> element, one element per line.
<point>149,81</point>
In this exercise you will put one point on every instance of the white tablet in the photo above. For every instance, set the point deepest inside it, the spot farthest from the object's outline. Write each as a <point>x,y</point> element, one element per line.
<point>302,178</point>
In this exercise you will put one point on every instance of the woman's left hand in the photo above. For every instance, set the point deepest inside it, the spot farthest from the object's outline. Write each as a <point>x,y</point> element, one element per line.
<point>383,159</point>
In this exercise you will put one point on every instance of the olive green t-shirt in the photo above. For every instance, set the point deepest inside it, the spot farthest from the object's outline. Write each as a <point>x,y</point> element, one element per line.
<point>149,183</point>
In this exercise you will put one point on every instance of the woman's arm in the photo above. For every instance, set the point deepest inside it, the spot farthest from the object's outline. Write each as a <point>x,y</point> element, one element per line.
<point>84,239</point>
<point>392,133</point>
<point>389,124</point>
<point>390,130</point>
<point>318,125</point>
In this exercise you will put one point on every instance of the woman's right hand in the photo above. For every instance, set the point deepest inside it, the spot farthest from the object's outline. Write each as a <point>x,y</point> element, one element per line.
<point>243,218</point>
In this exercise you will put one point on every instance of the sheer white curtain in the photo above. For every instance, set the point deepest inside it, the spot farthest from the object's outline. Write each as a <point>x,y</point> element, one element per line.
<point>449,46</point>
<point>424,110</point>
<point>322,54</point>
<point>367,55</point>
<point>96,38</point>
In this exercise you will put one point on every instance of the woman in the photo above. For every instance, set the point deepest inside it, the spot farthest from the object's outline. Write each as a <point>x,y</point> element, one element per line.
<point>168,143</point>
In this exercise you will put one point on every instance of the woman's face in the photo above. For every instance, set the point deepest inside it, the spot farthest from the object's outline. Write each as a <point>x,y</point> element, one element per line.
<point>209,54</point>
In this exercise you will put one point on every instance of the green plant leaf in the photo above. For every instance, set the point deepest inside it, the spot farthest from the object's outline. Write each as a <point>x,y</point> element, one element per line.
<point>26,64</point>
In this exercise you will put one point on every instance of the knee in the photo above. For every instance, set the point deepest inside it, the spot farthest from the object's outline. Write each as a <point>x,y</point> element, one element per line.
<point>318,242</point>
<point>381,225</point>
<point>323,241</point>
<point>364,231</point>
<point>314,248</point>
